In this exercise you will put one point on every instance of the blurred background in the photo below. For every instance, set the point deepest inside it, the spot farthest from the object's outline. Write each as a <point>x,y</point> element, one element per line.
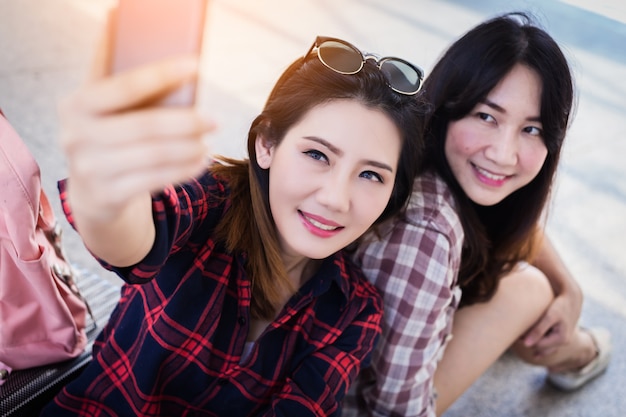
<point>46,47</point>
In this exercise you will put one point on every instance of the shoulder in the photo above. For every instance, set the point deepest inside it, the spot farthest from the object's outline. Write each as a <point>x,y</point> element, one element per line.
<point>354,283</point>
<point>430,223</point>
<point>421,248</point>
<point>432,205</point>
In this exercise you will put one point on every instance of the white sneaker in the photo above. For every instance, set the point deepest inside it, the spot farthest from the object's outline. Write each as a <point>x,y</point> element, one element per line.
<point>571,380</point>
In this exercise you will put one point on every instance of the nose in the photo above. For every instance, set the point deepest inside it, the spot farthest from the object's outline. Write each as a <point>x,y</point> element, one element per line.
<point>334,192</point>
<point>503,149</point>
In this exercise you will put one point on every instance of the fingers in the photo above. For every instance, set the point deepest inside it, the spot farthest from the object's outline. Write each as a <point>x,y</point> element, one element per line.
<point>534,352</point>
<point>133,88</point>
<point>116,145</point>
<point>538,331</point>
<point>141,166</point>
<point>548,344</point>
<point>124,129</point>
<point>137,151</point>
<point>113,157</point>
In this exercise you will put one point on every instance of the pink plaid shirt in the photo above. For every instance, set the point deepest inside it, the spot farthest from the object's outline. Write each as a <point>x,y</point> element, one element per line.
<point>415,266</point>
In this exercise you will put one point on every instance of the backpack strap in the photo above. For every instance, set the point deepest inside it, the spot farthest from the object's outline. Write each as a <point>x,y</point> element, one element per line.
<point>53,232</point>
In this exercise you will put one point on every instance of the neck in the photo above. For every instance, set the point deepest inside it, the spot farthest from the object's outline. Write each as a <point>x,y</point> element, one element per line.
<point>301,270</point>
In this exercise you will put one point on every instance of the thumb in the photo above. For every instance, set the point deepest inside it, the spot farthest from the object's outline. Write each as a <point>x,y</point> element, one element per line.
<point>100,64</point>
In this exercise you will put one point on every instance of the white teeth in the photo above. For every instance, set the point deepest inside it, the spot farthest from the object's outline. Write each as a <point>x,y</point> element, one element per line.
<point>321,225</point>
<point>490,175</point>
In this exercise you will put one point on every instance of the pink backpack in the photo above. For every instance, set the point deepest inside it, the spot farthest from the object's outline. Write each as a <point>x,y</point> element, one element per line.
<point>42,314</point>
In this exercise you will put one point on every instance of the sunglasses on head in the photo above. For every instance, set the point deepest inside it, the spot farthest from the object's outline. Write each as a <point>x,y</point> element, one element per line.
<point>344,58</point>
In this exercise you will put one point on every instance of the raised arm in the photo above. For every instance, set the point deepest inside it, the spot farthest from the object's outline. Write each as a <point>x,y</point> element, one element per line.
<point>119,150</point>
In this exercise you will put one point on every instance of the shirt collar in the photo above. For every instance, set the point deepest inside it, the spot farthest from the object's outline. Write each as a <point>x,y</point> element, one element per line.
<point>333,270</point>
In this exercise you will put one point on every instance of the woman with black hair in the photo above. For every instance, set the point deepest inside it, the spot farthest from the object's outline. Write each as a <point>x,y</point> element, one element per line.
<point>467,273</point>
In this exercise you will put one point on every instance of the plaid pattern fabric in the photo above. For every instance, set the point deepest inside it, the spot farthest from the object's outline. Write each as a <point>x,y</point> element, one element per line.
<point>415,267</point>
<point>174,345</point>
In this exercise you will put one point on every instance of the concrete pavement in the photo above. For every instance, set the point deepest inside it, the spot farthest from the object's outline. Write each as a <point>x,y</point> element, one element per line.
<point>46,46</point>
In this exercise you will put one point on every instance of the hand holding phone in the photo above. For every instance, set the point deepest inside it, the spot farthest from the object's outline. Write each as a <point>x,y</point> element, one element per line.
<point>149,30</point>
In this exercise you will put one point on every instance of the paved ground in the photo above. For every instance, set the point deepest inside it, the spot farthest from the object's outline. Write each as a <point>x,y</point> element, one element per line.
<point>46,45</point>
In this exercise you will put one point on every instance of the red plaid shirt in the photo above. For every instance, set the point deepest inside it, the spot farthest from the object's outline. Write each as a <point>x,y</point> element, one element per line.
<point>174,344</point>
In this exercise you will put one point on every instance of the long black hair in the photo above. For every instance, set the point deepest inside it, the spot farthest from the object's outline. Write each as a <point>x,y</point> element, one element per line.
<point>498,236</point>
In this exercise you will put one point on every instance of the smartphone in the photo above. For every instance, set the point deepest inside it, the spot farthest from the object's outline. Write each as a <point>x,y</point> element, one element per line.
<point>149,30</point>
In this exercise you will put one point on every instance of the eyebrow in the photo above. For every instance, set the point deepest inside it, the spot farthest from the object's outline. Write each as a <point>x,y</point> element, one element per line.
<point>501,109</point>
<point>339,152</point>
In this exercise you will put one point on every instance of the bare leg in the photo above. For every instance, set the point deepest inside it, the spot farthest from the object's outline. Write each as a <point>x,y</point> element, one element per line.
<point>579,349</point>
<point>483,332</point>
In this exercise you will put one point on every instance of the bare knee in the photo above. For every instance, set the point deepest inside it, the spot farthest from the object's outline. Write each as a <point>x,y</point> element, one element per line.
<point>483,331</point>
<point>531,289</point>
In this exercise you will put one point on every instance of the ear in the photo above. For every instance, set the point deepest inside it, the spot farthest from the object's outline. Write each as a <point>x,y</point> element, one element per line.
<point>264,151</point>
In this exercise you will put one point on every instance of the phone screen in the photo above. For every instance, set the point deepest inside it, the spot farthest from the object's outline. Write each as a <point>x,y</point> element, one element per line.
<point>150,30</point>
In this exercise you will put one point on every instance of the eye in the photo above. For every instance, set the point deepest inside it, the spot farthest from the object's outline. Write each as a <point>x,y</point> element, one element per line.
<point>315,154</point>
<point>533,130</point>
<point>371,175</point>
<point>486,117</point>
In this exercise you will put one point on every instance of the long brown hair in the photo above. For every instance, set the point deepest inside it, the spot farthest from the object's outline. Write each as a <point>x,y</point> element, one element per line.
<point>497,237</point>
<point>248,226</point>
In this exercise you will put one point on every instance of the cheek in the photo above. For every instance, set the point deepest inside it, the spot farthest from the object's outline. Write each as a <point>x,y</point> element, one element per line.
<point>280,178</point>
<point>455,152</point>
<point>449,146</point>
<point>370,203</point>
<point>460,141</point>
<point>534,157</point>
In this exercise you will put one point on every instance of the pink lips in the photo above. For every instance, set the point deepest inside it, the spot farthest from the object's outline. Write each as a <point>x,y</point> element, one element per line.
<point>488,178</point>
<point>319,226</point>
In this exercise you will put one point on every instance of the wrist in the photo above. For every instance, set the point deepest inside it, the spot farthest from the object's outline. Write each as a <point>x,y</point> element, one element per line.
<point>572,292</point>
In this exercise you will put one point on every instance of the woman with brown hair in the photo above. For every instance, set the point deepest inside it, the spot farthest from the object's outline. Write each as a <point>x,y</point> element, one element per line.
<point>238,298</point>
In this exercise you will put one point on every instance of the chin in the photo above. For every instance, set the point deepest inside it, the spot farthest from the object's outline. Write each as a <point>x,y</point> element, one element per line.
<point>321,253</point>
<point>486,201</point>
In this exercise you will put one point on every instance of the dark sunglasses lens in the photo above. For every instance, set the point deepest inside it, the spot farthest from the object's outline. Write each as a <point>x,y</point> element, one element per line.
<point>402,77</point>
<point>340,57</point>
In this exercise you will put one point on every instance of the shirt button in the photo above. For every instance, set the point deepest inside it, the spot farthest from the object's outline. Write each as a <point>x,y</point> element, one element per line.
<point>241,320</point>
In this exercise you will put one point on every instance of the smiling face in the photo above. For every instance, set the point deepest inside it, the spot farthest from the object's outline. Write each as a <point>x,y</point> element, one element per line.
<point>498,147</point>
<point>330,177</point>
